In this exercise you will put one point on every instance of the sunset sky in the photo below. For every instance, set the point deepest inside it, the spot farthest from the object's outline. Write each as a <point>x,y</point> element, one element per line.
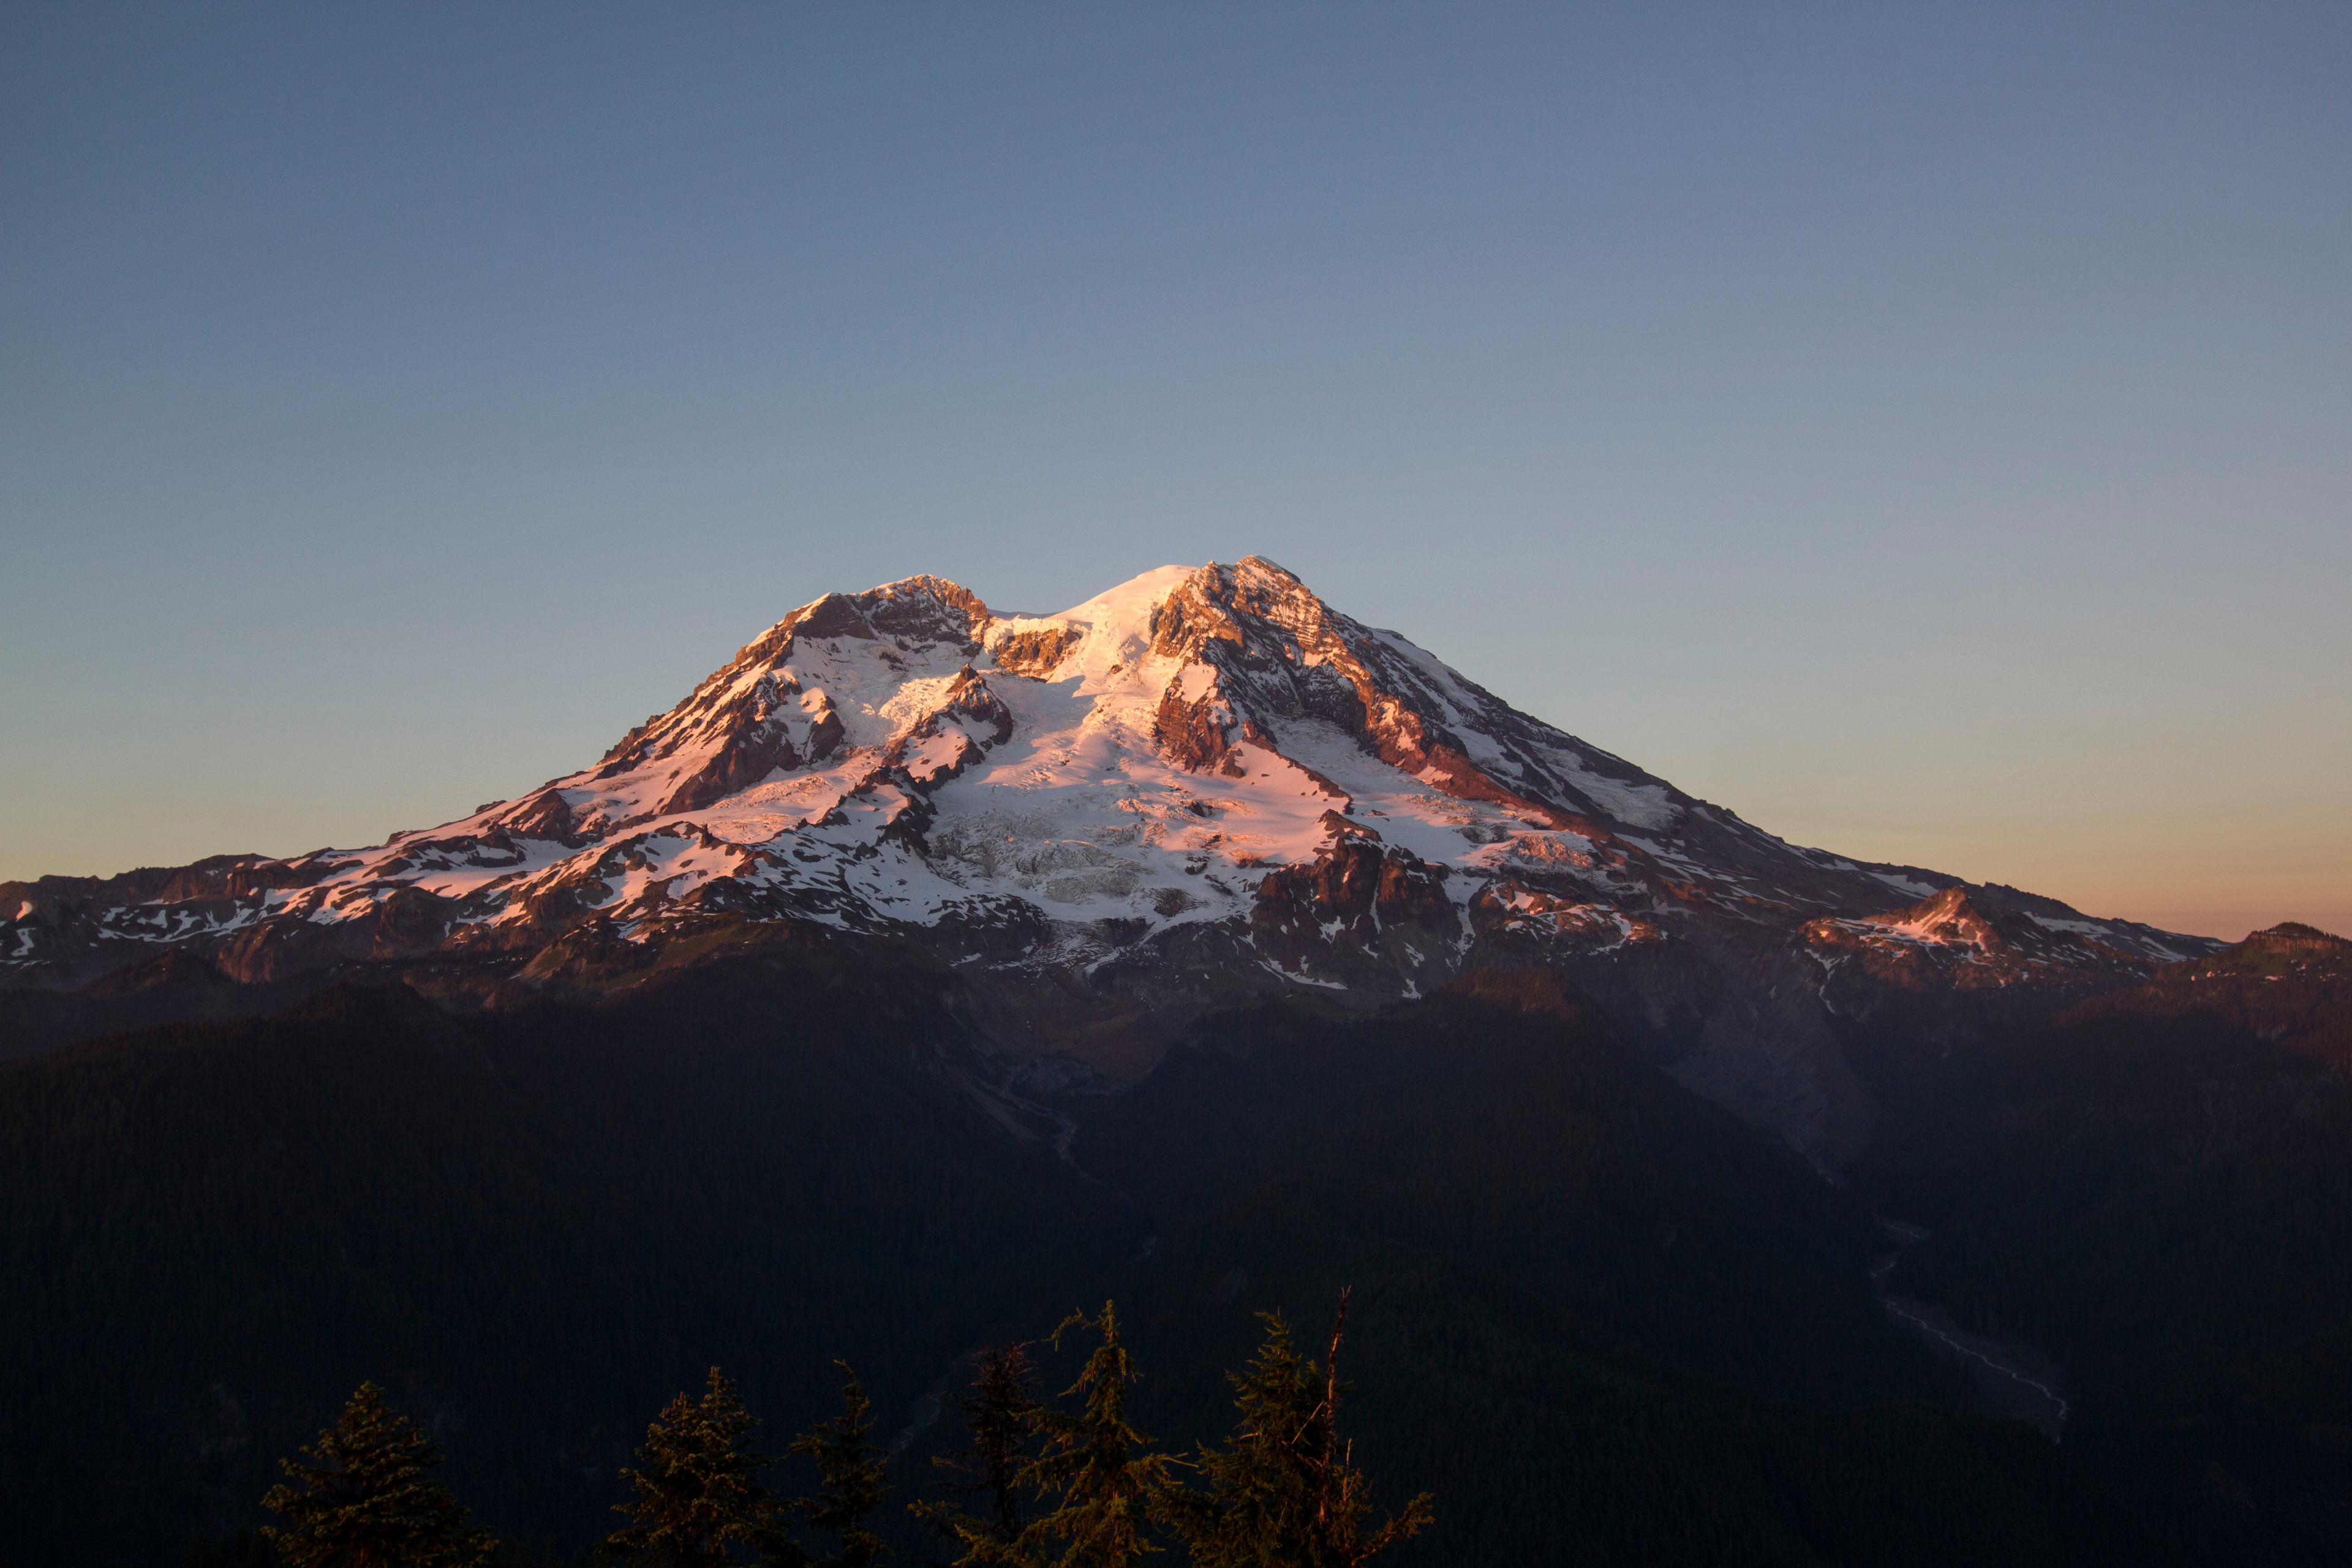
<point>1927,431</point>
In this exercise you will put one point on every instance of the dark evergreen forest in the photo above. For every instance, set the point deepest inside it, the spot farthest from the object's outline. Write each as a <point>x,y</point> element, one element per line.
<point>1595,1317</point>
<point>2165,1203</point>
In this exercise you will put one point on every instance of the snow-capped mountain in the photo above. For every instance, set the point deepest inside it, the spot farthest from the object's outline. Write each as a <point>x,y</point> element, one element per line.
<point>1201,781</point>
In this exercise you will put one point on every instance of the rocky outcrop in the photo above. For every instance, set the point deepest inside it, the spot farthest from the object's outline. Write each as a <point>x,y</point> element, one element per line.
<point>969,720</point>
<point>1975,938</point>
<point>1193,724</point>
<point>1359,905</point>
<point>1035,652</point>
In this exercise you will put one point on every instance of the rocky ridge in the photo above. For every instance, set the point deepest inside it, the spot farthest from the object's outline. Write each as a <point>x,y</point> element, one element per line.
<point>2291,985</point>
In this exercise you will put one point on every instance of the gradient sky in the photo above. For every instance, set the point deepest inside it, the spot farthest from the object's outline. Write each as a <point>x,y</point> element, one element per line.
<point>1927,431</point>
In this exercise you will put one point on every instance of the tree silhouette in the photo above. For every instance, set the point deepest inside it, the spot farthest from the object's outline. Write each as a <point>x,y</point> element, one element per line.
<point>1107,1487</point>
<point>1281,1489</point>
<point>1000,1420</point>
<point>361,1497</point>
<point>850,1471</point>
<point>698,1499</point>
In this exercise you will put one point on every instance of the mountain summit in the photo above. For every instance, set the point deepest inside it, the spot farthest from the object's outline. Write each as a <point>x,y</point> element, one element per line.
<point>1203,782</point>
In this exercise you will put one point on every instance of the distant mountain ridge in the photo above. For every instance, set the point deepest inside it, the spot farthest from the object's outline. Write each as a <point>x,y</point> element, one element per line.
<point>1203,782</point>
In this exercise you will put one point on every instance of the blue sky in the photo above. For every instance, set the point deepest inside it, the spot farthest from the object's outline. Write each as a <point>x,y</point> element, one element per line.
<point>1927,430</point>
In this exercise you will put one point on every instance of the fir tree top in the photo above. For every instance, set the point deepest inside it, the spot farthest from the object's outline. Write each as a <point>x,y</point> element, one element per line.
<point>850,1471</point>
<point>698,1498</point>
<point>361,1497</point>
<point>1107,1486</point>
<point>1282,1491</point>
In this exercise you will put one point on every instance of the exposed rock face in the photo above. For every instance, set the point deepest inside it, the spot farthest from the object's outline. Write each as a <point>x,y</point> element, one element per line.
<point>1359,907</point>
<point>1034,653</point>
<point>1974,939</point>
<point>1193,724</point>
<point>1202,782</point>
<point>969,721</point>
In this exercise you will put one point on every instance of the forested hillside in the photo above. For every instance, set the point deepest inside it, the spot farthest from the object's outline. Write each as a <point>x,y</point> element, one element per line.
<point>1591,1311</point>
<point>532,1230</point>
<point>2156,1188</point>
<point>1601,1319</point>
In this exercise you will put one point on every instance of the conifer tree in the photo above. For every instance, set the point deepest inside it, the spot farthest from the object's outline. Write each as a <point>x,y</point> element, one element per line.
<point>699,1501</point>
<point>363,1499</point>
<point>1108,1487</point>
<point>850,1477</point>
<point>1000,1420</point>
<point>1281,1489</point>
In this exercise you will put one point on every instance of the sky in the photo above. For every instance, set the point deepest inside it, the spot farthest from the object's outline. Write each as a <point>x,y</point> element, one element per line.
<point>1926,430</point>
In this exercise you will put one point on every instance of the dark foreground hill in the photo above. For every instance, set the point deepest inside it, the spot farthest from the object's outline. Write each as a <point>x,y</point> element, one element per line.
<point>1602,1319</point>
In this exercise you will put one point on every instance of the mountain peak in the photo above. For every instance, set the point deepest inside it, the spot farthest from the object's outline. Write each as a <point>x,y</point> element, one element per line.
<point>2295,934</point>
<point>1203,772</point>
